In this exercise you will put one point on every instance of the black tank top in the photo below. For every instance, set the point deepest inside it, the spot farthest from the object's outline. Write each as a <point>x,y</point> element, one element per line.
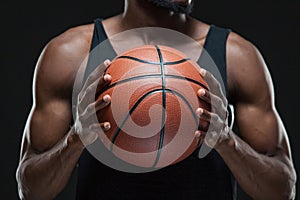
<point>191,179</point>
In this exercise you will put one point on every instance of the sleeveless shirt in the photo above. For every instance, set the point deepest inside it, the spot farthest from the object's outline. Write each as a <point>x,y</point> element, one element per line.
<point>208,178</point>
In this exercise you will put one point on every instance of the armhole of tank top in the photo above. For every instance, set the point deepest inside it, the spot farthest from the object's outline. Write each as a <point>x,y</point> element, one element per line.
<point>99,36</point>
<point>215,46</point>
<point>95,40</point>
<point>218,36</point>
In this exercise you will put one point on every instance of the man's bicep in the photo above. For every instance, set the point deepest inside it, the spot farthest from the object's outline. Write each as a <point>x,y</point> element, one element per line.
<point>260,128</point>
<point>48,125</point>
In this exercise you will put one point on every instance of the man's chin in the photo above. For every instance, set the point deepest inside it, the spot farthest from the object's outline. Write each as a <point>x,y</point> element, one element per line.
<point>176,7</point>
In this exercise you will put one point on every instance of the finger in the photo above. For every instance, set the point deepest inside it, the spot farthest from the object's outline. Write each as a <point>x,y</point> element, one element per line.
<point>95,87</point>
<point>95,76</point>
<point>103,83</point>
<point>216,102</point>
<point>99,127</point>
<point>95,107</point>
<point>210,117</point>
<point>203,125</point>
<point>210,79</point>
<point>204,114</point>
<point>214,84</point>
<point>88,112</point>
<point>84,93</point>
<point>105,126</point>
<point>97,73</point>
<point>87,97</point>
<point>211,138</point>
<point>218,106</point>
<point>200,136</point>
<point>204,95</point>
<point>90,93</point>
<point>89,137</point>
<point>102,103</point>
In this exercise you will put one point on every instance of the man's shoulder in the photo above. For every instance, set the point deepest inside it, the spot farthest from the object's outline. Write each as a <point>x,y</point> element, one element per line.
<point>238,45</point>
<point>243,55</point>
<point>62,57</point>
<point>246,68</point>
<point>75,40</point>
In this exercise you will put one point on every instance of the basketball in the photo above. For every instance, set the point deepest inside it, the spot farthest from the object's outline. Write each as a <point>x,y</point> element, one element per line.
<point>152,112</point>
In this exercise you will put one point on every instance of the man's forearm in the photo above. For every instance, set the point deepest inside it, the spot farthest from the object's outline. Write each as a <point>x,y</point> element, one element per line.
<point>43,176</point>
<point>261,176</point>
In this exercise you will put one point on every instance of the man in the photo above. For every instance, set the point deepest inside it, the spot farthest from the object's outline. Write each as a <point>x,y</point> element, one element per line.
<point>259,157</point>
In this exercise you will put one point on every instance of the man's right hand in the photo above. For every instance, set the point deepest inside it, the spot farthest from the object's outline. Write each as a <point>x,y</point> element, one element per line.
<point>87,107</point>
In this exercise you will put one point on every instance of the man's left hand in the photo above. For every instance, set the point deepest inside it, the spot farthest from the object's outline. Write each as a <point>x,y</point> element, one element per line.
<point>218,130</point>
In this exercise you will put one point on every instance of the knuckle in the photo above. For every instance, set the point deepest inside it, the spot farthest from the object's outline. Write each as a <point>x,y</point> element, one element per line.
<point>80,118</point>
<point>81,106</point>
<point>89,89</point>
<point>104,104</point>
<point>216,101</point>
<point>90,108</point>
<point>217,81</point>
<point>225,101</point>
<point>79,97</point>
<point>210,76</point>
<point>219,85</point>
<point>89,78</point>
<point>220,102</point>
<point>214,118</point>
<point>83,114</point>
<point>207,74</point>
<point>216,84</point>
<point>78,109</point>
<point>223,114</point>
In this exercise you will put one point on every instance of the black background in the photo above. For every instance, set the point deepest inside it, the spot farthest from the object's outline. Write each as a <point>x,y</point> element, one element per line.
<point>25,29</point>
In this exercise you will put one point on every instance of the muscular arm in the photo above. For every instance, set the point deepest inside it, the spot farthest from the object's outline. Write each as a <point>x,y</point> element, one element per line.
<point>260,158</point>
<point>50,149</point>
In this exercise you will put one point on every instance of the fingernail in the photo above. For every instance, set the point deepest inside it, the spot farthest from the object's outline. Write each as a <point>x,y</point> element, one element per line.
<point>107,63</point>
<point>106,98</point>
<point>201,92</point>
<point>199,112</point>
<point>197,134</point>
<point>106,77</point>
<point>107,126</point>
<point>202,71</point>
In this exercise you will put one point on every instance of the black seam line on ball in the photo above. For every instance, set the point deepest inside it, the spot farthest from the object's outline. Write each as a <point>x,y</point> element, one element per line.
<point>117,132</point>
<point>163,113</point>
<point>149,62</point>
<point>152,62</point>
<point>150,76</point>
<point>177,62</point>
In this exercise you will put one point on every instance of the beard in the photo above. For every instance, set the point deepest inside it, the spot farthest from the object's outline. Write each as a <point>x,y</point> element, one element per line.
<point>175,7</point>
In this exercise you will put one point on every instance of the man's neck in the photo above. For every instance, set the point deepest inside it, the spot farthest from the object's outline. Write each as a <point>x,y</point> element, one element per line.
<point>140,13</point>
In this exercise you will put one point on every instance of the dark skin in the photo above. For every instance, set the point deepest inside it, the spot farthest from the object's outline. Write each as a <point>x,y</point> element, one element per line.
<point>260,159</point>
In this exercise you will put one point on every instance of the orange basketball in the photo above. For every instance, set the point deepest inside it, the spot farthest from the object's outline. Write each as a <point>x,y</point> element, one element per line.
<point>152,112</point>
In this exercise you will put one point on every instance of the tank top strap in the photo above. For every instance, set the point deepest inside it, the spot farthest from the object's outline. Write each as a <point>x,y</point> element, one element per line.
<point>215,50</point>
<point>98,54</point>
<point>99,33</point>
